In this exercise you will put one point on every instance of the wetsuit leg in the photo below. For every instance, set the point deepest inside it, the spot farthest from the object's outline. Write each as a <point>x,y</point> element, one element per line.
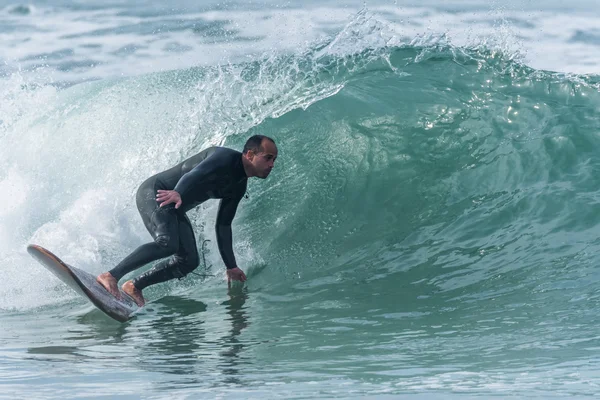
<point>163,225</point>
<point>180,264</point>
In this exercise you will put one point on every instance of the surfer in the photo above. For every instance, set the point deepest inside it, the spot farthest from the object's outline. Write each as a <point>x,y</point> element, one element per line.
<point>164,199</point>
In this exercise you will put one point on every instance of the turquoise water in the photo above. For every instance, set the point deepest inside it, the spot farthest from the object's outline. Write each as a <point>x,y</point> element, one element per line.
<point>429,230</point>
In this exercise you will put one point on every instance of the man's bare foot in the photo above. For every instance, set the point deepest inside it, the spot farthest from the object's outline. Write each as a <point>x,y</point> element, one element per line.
<point>136,294</point>
<point>109,283</point>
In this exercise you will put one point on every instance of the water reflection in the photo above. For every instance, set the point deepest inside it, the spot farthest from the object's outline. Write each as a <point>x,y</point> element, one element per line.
<point>233,347</point>
<point>171,335</point>
<point>176,336</point>
<point>96,325</point>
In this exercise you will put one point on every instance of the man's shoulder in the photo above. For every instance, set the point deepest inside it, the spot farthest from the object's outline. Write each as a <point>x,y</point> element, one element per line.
<point>218,151</point>
<point>224,155</point>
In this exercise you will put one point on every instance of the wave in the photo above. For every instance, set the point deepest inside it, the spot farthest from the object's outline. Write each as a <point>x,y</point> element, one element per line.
<point>421,167</point>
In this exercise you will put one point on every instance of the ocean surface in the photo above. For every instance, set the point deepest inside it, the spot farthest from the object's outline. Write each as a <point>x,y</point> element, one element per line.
<point>430,230</point>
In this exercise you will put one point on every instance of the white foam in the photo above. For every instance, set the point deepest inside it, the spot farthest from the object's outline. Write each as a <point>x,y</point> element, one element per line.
<point>76,157</point>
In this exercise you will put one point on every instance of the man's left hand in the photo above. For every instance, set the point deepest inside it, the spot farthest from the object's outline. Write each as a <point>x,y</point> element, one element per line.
<point>235,274</point>
<point>165,197</point>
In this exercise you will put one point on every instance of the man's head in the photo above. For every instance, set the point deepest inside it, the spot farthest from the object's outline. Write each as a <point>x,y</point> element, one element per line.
<point>259,156</point>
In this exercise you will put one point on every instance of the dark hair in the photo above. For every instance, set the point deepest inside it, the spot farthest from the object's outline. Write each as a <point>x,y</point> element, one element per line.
<point>254,143</point>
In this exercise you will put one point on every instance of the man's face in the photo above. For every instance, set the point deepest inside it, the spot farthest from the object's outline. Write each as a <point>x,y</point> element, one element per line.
<point>263,160</point>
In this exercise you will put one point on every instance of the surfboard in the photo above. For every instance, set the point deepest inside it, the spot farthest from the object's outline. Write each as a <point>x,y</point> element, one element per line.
<point>85,284</point>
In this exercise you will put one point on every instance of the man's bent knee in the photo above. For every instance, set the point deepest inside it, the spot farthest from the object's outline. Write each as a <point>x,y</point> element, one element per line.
<point>167,244</point>
<point>162,240</point>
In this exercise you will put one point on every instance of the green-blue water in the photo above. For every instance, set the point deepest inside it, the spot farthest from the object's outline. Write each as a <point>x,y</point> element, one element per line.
<point>429,231</point>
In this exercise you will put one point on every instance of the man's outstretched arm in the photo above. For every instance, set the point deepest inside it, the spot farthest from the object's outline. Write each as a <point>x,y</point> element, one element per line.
<point>227,210</point>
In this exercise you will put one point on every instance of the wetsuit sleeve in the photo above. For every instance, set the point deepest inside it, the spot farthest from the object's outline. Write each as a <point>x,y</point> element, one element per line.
<point>201,173</point>
<point>227,209</point>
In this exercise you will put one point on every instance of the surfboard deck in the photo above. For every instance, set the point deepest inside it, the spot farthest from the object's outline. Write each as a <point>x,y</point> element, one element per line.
<point>86,285</point>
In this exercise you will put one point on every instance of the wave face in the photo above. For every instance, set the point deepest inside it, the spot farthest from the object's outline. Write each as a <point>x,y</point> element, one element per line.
<point>429,202</point>
<point>459,166</point>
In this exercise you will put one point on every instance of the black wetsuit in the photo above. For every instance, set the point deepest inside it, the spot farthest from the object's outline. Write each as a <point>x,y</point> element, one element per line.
<point>215,173</point>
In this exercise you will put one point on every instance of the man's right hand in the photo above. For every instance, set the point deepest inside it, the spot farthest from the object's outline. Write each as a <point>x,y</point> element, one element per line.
<point>165,197</point>
<point>235,274</point>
